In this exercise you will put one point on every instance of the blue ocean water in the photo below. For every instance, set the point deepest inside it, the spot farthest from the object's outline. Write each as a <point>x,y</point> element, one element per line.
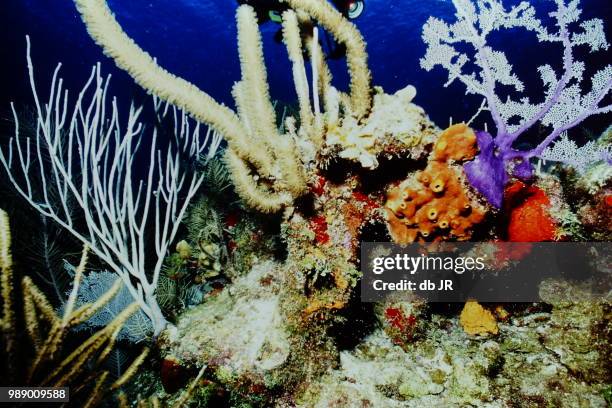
<point>196,39</point>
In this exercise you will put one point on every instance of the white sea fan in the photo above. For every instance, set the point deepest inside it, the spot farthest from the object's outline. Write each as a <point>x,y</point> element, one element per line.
<point>581,158</point>
<point>567,101</point>
<point>137,328</point>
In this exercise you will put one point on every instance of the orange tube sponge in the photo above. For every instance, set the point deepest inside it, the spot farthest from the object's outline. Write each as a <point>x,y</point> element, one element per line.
<point>435,204</point>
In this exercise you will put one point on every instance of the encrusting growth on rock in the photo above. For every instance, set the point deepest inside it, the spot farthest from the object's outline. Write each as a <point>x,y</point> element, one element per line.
<point>456,143</point>
<point>476,320</point>
<point>436,204</point>
<point>395,127</point>
<point>529,215</point>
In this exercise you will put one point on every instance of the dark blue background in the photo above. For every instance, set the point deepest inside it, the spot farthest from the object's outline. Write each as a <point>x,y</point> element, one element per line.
<point>196,39</point>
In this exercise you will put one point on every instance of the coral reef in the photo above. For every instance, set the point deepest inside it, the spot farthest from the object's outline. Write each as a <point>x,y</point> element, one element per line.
<point>576,205</point>
<point>250,295</point>
<point>436,203</point>
<point>597,216</point>
<point>404,322</point>
<point>243,328</point>
<point>323,246</point>
<point>251,337</point>
<point>270,336</point>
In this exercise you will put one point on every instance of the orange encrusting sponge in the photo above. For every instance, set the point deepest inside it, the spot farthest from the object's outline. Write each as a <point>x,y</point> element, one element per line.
<point>433,204</point>
<point>530,219</point>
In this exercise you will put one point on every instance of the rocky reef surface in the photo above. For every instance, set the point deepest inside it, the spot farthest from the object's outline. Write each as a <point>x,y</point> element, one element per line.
<point>547,354</point>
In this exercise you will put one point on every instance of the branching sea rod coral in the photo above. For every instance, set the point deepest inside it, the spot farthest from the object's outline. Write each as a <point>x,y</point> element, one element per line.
<point>7,319</point>
<point>91,163</point>
<point>345,33</point>
<point>253,138</point>
<point>565,103</point>
<point>270,168</point>
<point>258,116</point>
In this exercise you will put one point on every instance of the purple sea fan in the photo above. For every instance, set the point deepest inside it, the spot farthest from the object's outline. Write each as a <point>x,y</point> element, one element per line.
<point>565,103</point>
<point>486,172</point>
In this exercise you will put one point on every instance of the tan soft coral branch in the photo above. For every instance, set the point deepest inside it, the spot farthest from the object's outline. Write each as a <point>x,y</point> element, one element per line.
<point>238,93</point>
<point>253,100</point>
<point>346,33</point>
<point>293,42</point>
<point>6,278</point>
<point>253,93</point>
<point>253,136</point>
<point>7,319</point>
<point>324,76</point>
<point>107,33</point>
<point>254,195</point>
<point>254,76</point>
